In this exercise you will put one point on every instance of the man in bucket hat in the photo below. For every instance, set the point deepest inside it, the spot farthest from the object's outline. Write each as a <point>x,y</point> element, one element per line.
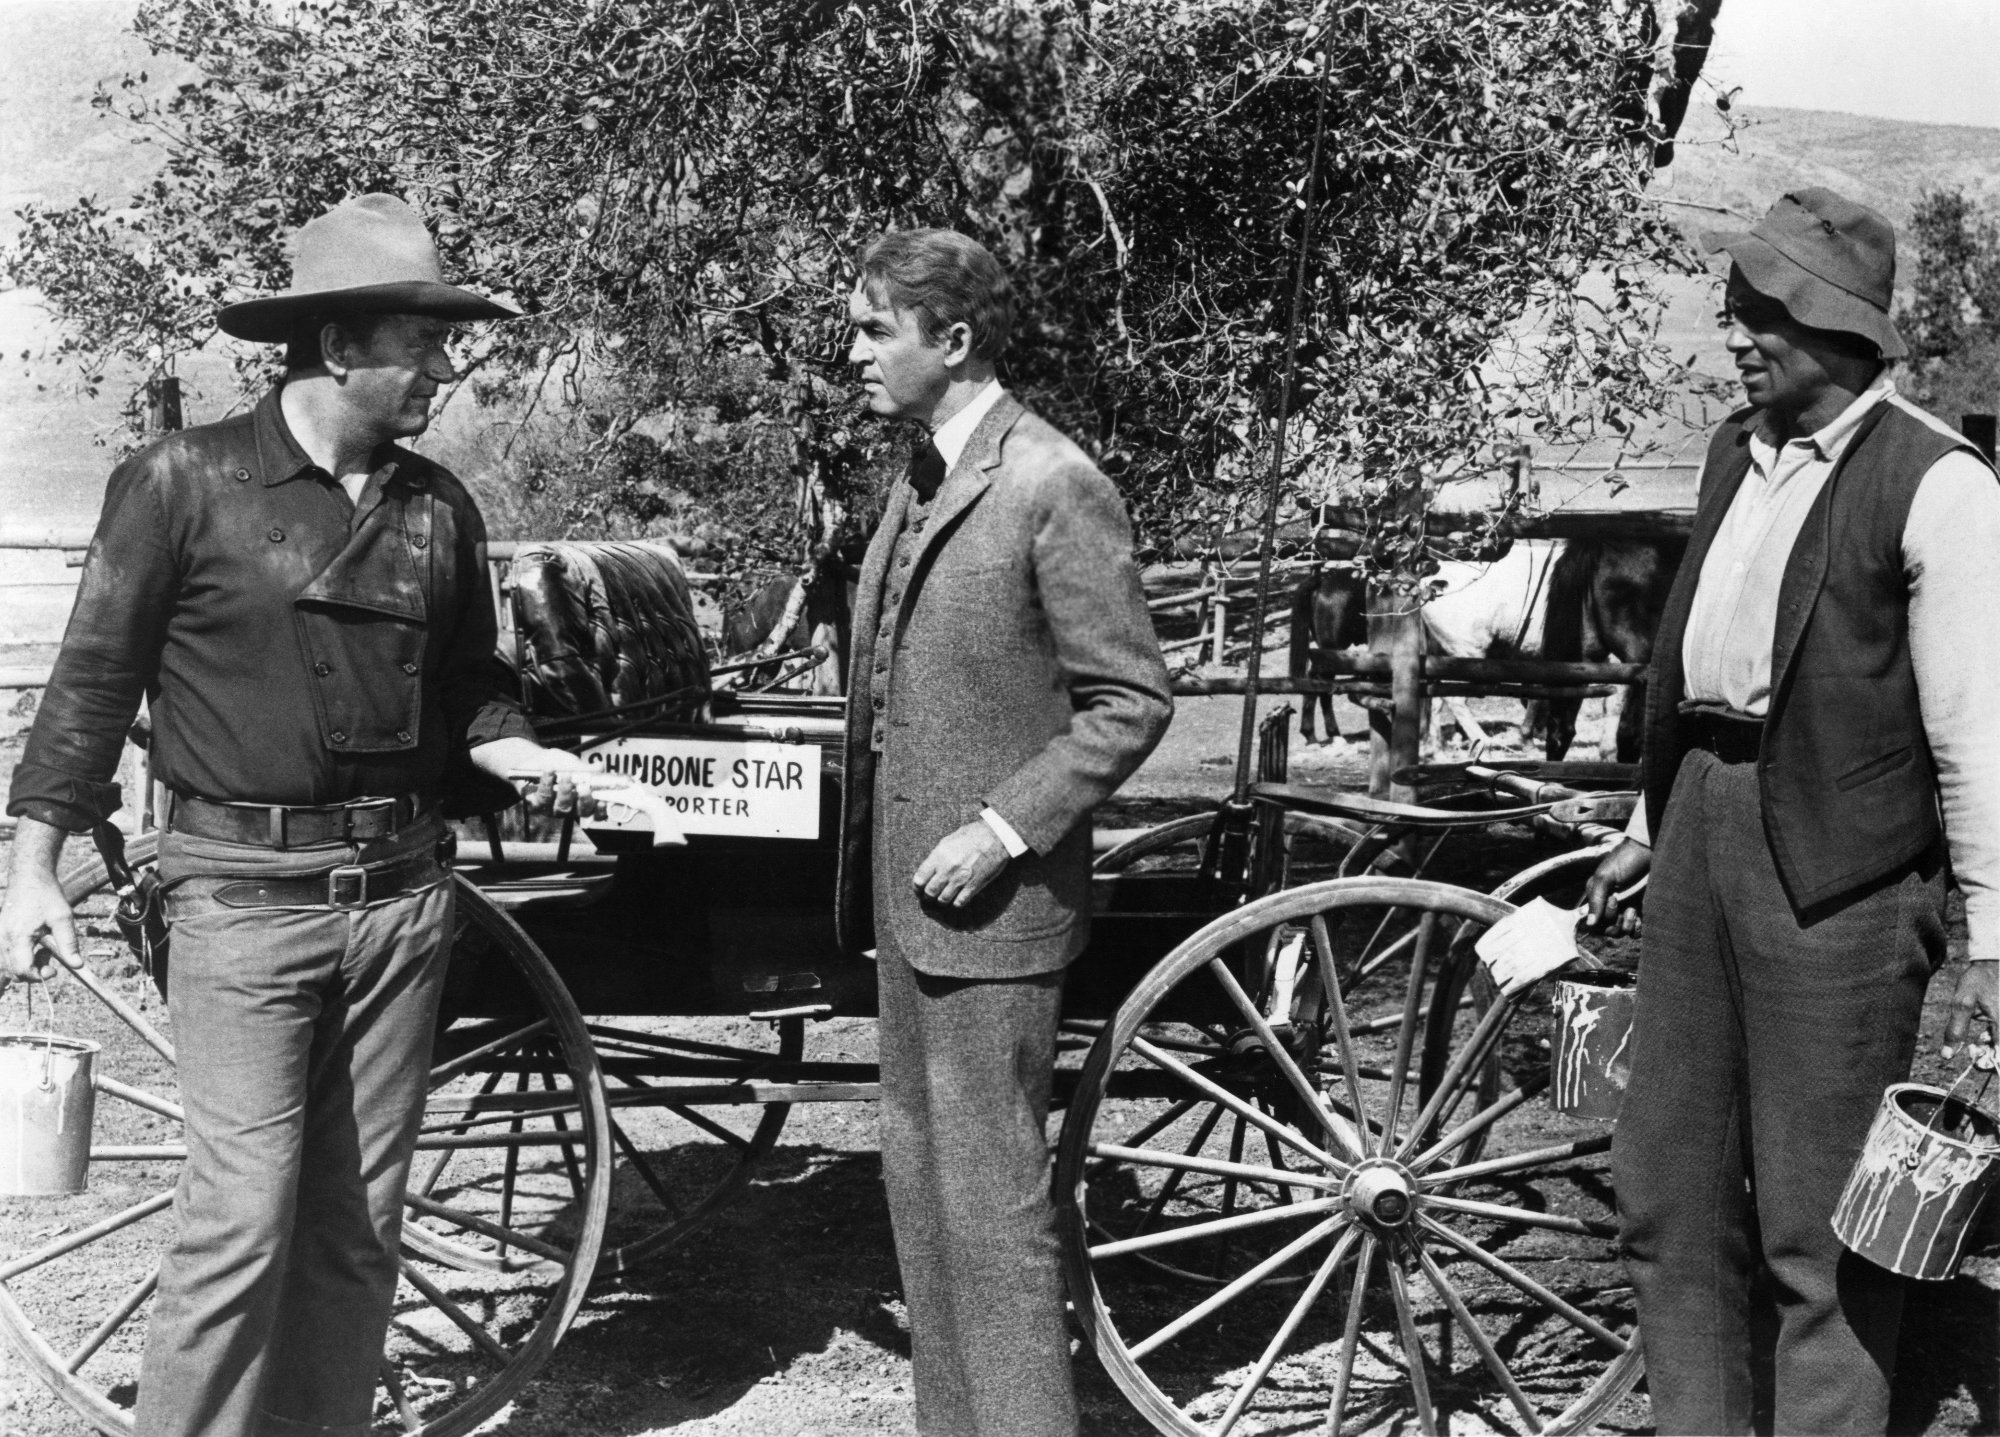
<point>1819,727</point>
<point>304,605</point>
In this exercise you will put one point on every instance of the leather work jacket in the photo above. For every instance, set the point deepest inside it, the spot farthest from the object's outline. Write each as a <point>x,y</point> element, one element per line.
<point>294,646</point>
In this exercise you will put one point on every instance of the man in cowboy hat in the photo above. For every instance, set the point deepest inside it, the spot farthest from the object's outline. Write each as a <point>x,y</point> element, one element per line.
<point>304,605</point>
<point>1819,732</point>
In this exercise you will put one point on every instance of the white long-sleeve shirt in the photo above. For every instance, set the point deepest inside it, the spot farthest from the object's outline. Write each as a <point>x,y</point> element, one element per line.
<point>1951,554</point>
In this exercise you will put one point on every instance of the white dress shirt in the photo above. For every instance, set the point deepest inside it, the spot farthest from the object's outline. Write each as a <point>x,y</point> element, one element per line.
<point>951,437</point>
<point>1951,556</point>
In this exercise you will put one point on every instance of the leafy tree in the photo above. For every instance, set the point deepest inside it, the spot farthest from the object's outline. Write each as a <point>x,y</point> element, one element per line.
<point>1952,321</point>
<point>675,190</point>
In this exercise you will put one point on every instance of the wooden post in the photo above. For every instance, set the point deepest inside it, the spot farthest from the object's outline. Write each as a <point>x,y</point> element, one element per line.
<point>1219,652</point>
<point>1396,628</point>
<point>1979,428</point>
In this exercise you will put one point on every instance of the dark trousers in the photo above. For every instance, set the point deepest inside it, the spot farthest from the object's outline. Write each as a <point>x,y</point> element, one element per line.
<point>966,1067</point>
<point>1762,1046</point>
<point>303,1038</point>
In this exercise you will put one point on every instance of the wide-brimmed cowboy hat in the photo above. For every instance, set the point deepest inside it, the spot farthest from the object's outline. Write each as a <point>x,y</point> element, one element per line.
<point>1829,261</point>
<point>369,255</point>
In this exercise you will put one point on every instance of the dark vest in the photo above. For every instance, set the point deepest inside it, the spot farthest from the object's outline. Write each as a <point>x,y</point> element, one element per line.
<point>1849,789</point>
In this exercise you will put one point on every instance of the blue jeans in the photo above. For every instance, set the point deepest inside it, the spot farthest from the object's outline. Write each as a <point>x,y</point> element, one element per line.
<point>303,1037</point>
<point>1762,1044</point>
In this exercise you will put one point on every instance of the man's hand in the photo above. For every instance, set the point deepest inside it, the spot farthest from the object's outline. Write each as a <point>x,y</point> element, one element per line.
<point>963,863</point>
<point>35,908</point>
<point>549,780</point>
<point>1976,1001</point>
<point>1619,869</point>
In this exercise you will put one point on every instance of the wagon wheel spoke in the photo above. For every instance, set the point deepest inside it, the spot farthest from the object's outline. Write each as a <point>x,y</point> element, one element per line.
<point>1406,1037</point>
<point>1220,1257</point>
<point>1197,1231</point>
<point>134,1298</point>
<point>1281,1058</point>
<point>435,1170</point>
<point>1508,1273</point>
<point>1282,1131</point>
<point>1413,1347</point>
<point>1479,1123</point>
<point>1146,1132</point>
<point>1350,1337</point>
<point>1521,1162</point>
<point>1463,1065</point>
<point>82,1237</point>
<point>499,1231</point>
<point>465,1062</point>
<point>645,1169</point>
<point>568,1151</point>
<point>1214,1167</point>
<point>138,1097</point>
<point>510,1171</point>
<point>1524,1217</point>
<point>458,1316</point>
<point>1223,1296</point>
<point>1308,1300</point>
<point>392,1383</point>
<point>1174,1179</point>
<point>1480,1341</point>
<point>1277,1160</point>
<point>1336,1006</point>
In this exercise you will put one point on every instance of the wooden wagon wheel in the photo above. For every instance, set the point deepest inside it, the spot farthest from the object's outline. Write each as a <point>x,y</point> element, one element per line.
<point>1364,1274</point>
<point>460,1345</point>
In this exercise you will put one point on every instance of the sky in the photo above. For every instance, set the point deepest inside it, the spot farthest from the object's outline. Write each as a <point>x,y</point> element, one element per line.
<point>1936,61</point>
<point>1928,60</point>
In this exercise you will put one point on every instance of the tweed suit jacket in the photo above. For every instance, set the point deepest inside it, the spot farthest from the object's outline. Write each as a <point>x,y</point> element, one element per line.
<point>1023,674</point>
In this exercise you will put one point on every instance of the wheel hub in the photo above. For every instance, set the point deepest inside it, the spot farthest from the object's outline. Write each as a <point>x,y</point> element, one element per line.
<point>1381,1193</point>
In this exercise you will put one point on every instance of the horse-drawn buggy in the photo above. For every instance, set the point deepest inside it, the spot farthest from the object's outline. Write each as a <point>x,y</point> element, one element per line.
<point>1306,1168</point>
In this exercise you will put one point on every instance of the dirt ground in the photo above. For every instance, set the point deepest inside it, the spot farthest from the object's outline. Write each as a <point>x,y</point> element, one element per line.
<point>782,1318</point>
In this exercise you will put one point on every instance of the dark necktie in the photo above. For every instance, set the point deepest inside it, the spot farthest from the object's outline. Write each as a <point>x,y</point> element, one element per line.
<point>926,470</point>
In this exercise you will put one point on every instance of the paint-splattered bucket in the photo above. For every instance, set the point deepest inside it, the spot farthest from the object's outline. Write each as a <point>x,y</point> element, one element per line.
<point>46,1106</point>
<point>1915,1192</point>
<point>1592,1060</point>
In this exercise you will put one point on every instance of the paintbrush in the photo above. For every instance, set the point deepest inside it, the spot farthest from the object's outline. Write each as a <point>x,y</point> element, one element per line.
<point>1536,939</point>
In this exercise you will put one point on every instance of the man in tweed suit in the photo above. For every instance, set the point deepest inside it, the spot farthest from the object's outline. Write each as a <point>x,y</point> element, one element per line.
<point>1005,681</point>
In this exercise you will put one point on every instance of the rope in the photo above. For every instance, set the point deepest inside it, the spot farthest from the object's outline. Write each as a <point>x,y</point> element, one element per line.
<point>1246,735</point>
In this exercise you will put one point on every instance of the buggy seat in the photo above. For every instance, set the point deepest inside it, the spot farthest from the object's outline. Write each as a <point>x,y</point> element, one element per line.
<point>606,625</point>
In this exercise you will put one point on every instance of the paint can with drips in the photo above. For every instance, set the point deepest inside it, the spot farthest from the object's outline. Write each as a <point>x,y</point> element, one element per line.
<point>47,1104</point>
<point>1592,1058</point>
<point>1914,1196</point>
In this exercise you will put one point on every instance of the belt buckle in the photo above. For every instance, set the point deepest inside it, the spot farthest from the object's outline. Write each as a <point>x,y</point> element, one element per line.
<point>347,887</point>
<point>368,806</point>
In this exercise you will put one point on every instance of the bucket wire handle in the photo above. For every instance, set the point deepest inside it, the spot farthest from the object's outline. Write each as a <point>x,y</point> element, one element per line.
<point>48,1081</point>
<point>1983,1060</point>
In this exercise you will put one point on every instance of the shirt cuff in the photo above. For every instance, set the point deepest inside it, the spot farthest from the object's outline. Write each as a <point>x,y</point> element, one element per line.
<point>1636,827</point>
<point>1004,831</point>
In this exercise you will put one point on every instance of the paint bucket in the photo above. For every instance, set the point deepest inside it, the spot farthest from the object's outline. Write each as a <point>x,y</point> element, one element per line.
<point>1592,1061</point>
<point>1914,1195</point>
<point>46,1106</point>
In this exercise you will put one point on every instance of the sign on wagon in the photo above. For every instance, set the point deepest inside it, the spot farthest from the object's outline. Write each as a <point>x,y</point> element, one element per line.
<point>761,790</point>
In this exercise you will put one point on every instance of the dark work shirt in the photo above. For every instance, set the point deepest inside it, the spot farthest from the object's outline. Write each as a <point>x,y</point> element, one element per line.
<point>295,646</point>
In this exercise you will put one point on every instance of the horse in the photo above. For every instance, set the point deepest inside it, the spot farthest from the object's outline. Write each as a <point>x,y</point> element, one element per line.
<point>1328,613</point>
<point>821,610</point>
<point>1481,610</point>
<point>1605,601</point>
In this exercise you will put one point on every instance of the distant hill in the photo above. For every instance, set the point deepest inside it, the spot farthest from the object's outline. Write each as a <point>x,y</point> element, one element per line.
<point>53,146</point>
<point>1886,164</point>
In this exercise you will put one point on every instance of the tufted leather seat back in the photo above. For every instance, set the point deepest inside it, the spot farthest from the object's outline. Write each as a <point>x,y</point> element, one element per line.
<point>606,624</point>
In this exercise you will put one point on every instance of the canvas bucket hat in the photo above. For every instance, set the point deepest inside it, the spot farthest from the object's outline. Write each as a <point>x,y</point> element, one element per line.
<point>370,254</point>
<point>1829,261</point>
